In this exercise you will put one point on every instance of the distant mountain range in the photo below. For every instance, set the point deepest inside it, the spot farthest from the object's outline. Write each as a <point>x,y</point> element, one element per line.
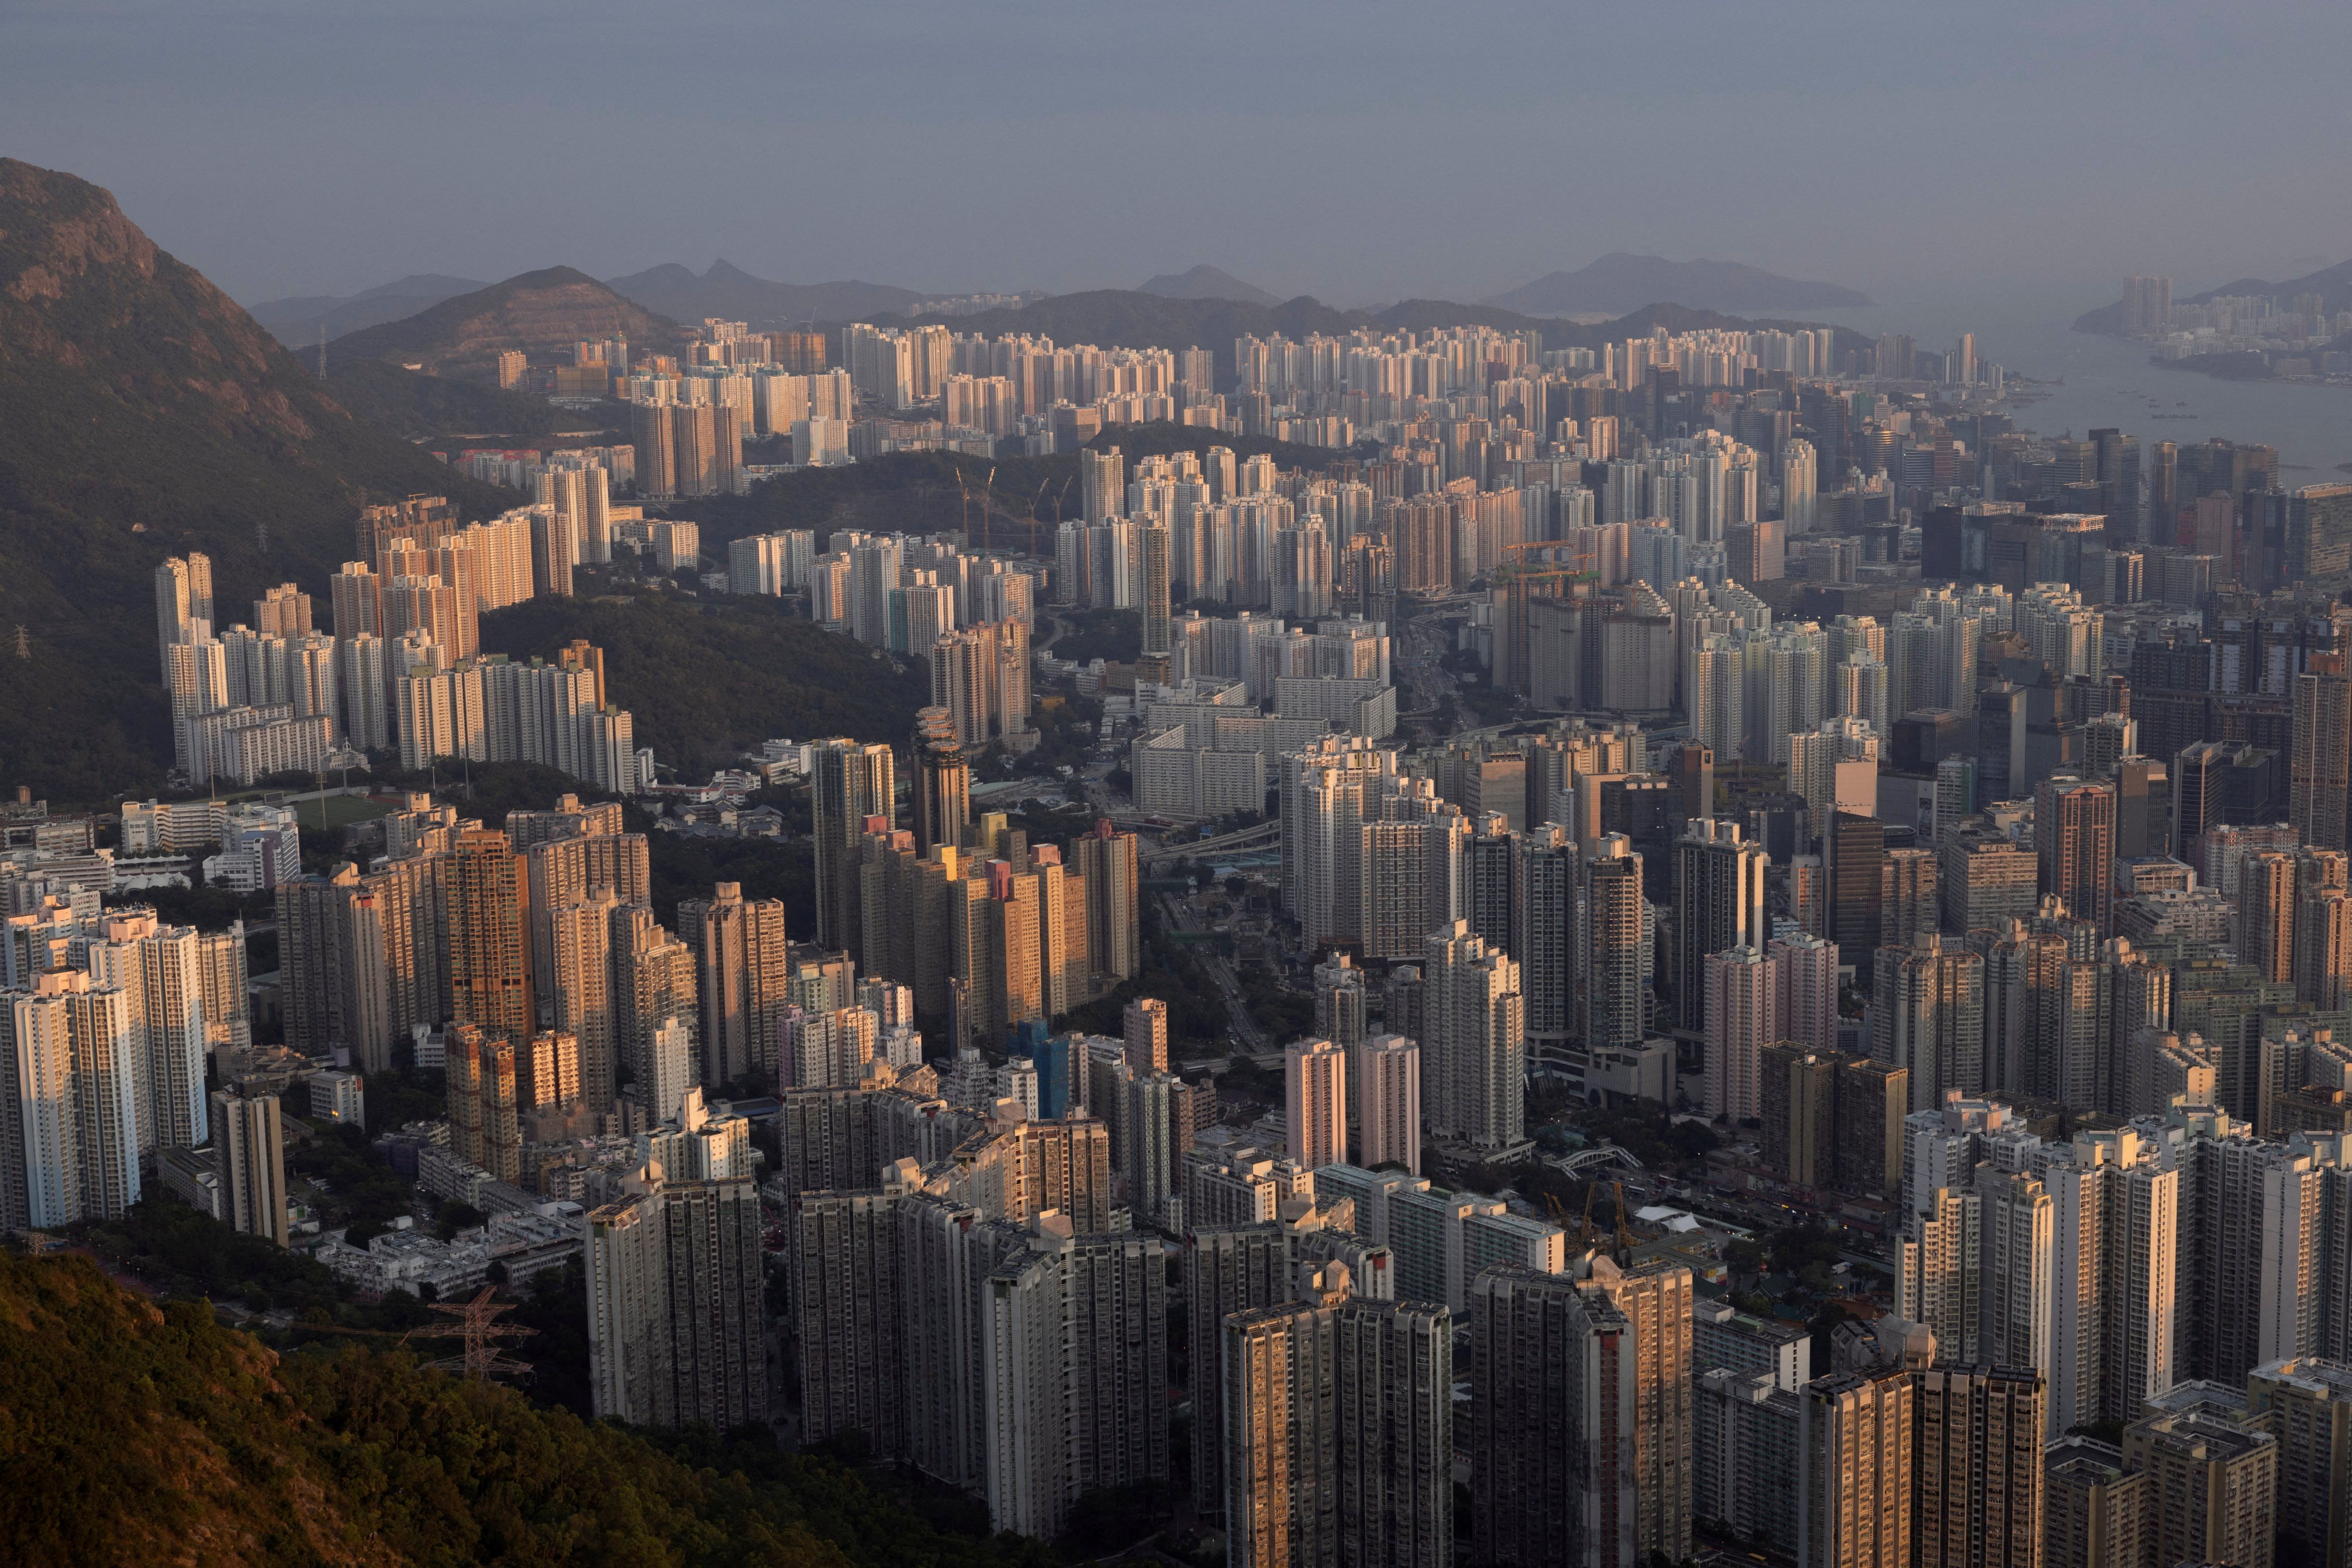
<point>543,313</point>
<point>1620,282</point>
<point>731,294</point>
<point>2331,284</point>
<point>144,415</point>
<point>1206,282</point>
<point>296,322</point>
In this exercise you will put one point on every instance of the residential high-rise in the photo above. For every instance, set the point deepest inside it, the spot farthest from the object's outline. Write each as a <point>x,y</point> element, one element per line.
<point>159,971</point>
<point>1315,1077</point>
<point>2115,1227</point>
<point>2075,837</point>
<point>1543,877</point>
<point>1473,1041</point>
<point>249,1155</point>
<point>490,951</point>
<point>1074,1337</point>
<point>183,603</point>
<point>69,1102</point>
<point>1797,1101</point>
<point>1152,540</point>
<point>584,1002</point>
<point>2212,1488</point>
<point>2306,1403</point>
<point>1106,861</point>
<point>2015,1297</point>
<point>1145,1024</point>
<point>853,782</point>
<point>676,1304</point>
<point>2319,774</point>
<point>1939,1277</point>
<point>2093,1509</point>
<point>743,981</point>
<point>847,1307</point>
<point>1384,1102</point>
<point>1719,904</point>
<point>1339,1430</point>
<point>1340,1003</point>
<point>1854,1474</point>
<point>942,782</point>
<point>1930,1018</point>
<point>1855,863</point>
<point>1150,1130</point>
<point>1656,1299</point>
<point>1805,976</point>
<point>1233,1267</point>
<point>2267,910</point>
<point>1977,1490</point>
<point>1553,1378</point>
<point>1582,1398</point>
<point>1743,1016</point>
<point>1613,953</point>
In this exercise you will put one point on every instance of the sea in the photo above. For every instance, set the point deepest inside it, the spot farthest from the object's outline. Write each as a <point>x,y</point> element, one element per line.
<point>2089,382</point>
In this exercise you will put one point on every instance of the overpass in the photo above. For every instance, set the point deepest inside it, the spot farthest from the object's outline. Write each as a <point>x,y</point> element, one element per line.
<point>1264,833</point>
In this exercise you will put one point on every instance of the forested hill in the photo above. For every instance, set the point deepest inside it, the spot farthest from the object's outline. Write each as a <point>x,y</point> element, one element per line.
<point>143,414</point>
<point>705,680</point>
<point>137,1433</point>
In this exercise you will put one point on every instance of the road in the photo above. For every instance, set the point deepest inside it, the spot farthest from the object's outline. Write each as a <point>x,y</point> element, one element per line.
<point>1253,1039</point>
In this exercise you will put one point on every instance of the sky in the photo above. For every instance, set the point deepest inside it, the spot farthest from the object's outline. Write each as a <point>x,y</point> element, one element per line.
<point>1362,153</point>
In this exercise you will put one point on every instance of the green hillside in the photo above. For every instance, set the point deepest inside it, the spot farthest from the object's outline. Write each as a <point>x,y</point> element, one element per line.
<point>138,1433</point>
<point>706,680</point>
<point>413,406</point>
<point>142,413</point>
<point>932,493</point>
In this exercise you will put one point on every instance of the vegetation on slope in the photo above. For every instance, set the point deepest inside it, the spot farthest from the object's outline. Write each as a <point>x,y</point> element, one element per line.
<point>133,1432</point>
<point>413,406</point>
<point>543,313</point>
<point>707,680</point>
<point>931,492</point>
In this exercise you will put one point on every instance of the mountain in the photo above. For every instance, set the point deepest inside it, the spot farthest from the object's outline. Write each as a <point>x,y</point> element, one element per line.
<point>543,313</point>
<point>137,1433</point>
<point>1620,282</point>
<point>144,415</point>
<point>1206,282</point>
<point>2331,284</point>
<point>731,294</point>
<point>295,322</point>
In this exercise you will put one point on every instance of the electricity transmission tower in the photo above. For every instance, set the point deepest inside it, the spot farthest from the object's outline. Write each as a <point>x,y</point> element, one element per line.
<point>477,1327</point>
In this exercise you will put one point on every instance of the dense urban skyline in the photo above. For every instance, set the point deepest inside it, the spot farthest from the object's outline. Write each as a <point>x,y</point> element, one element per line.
<point>1249,934</point>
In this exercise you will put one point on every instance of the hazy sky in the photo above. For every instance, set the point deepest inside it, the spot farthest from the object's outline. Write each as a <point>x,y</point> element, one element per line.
<point>1360,152</point>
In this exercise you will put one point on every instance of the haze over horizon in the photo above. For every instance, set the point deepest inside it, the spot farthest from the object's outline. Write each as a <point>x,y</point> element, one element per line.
<point>293,150</point>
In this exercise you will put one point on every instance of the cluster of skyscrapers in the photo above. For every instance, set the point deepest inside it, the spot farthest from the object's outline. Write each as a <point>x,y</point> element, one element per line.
<point>1957,820</point>
<point>403,669</point>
